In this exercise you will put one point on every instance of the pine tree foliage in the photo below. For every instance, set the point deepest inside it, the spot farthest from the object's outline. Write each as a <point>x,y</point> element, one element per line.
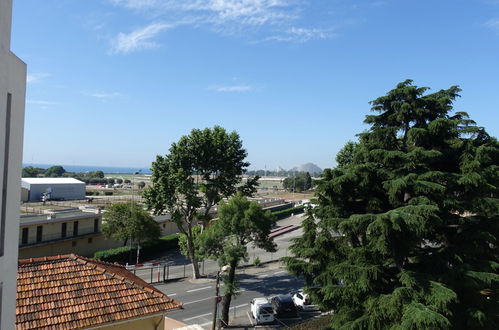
<point>405,234</point>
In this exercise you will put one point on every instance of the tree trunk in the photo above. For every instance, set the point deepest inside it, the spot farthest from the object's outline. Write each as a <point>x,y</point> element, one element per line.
<point>192,256</point>
<point>228,296</point>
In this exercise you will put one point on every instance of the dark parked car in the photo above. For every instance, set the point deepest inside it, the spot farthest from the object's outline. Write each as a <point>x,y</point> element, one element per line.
<point>284,307</point>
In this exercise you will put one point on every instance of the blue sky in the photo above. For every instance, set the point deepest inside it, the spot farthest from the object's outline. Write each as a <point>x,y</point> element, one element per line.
<point>115,82</point>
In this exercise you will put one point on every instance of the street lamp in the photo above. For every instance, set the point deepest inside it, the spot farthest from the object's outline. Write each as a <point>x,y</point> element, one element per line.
<point>217,298</point>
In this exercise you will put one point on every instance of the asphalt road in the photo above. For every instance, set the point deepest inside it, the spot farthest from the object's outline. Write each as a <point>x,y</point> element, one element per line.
<point>198,296</point>
<point>180,267</point>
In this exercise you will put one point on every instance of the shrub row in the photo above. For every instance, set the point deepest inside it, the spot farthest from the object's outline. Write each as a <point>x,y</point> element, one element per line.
<point>148,249</point>
<point>321,323</point>
<point>286,213</point>
<point>92,193</point>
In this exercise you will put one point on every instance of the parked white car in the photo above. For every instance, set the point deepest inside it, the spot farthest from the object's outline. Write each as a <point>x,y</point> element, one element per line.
<point>262,311</point>
<point>302,302</point>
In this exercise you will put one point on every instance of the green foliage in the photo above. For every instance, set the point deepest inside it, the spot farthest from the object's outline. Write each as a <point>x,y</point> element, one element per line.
<point>183,244</point>
<point>32,172</point>
<point>128,221</point>
<point>239,222</point>
<point>346,155</point>
<point>108,193</point>
<point>54,172</point>
<point>406,230</point>
<point>287,212</point>
<point>298,183</point>
<point>148,249</point>
<point>200,170</point>
<point>141,184</point>
<point>321,323</point>
<point>89,193</point>
<point>257,262</point>
<point>119,181</point>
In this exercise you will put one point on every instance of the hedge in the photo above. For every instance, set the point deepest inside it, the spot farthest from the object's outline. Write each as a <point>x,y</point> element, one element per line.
<point>286,213</point>
<point>320,323</point>
<point>147,249</point>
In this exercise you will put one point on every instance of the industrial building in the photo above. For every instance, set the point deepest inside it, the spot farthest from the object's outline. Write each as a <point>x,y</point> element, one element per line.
<point>34,189</point>
<point>12,98</point>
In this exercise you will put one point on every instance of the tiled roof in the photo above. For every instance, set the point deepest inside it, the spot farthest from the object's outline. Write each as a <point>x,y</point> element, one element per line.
<point>72,292</point>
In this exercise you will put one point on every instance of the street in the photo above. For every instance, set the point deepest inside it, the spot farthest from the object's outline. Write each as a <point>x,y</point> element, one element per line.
<point>198,295</point>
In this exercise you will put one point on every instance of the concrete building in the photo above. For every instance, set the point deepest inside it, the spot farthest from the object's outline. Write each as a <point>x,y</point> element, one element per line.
<point>12,98</point>
<point>32,189</point>
<point>63,232</point>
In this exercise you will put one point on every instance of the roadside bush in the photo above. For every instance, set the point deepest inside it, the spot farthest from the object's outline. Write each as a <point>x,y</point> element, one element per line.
<point>147,249</point>
<point>96,193</point>
<point>320,323</point>
<point>286,213</point>
<point>257,262</point>
<point>89,193</point>
<point>108,193</point>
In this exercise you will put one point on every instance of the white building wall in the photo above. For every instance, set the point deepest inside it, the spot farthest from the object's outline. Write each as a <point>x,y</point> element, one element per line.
<point>58,191</point>
<point>13,83</point>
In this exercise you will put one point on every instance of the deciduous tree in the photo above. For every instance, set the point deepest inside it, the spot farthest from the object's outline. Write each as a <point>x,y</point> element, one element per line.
<point>240,222</point>
<point>201,169</point>
<point>129,221</point>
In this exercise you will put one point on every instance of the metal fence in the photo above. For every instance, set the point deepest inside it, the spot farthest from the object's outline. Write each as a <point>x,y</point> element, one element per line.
<point>160,272</point>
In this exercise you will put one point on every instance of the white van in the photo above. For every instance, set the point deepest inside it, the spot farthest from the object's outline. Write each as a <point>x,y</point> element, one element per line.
<point>262,311</point>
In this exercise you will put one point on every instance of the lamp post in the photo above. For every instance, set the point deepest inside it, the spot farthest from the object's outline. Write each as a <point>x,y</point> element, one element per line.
<point>133,214</point>
<point>217,289</point>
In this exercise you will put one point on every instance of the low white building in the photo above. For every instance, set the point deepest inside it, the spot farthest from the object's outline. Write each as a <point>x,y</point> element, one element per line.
<point>32,189</point>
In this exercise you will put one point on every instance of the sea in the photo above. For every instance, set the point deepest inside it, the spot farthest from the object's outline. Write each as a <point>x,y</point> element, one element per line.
<point>91,168</point>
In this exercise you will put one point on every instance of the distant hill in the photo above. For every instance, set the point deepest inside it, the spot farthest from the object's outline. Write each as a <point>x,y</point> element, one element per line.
<point>308,167</point>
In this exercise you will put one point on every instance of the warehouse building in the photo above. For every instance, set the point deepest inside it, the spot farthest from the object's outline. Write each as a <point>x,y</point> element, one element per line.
<point>34,189</point>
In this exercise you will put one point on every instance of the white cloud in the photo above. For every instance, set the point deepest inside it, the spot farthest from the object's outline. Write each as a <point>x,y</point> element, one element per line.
<point>295,34</point>
<point>223,15</point>
<point>41,102</point>
<point>232,88</point>
<point>138,39</point>
<point>35,77</point>
<point>493,24</point>
<point>104,95</point>
<point>268,20</point>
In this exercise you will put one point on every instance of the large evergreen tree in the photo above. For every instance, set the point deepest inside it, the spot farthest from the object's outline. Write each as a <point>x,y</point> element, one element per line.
<point>406,232</point>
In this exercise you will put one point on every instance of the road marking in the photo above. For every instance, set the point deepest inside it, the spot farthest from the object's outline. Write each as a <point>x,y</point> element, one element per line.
<point>266,275</point>
<point>171,294</point>
<point>242,305</point>
<point>196,301</point>
<point>280,272</point>
<point>204,288</point>
<point>251,321</point>
<point>195,317</point>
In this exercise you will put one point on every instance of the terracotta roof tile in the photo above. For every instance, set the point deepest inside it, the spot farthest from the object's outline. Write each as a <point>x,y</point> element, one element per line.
<point>74,292</point>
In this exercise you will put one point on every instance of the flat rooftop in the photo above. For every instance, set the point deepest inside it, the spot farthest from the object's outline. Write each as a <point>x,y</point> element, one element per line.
<point>51,180</point>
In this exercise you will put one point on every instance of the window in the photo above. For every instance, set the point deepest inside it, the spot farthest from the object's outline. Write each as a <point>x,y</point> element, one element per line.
<point>24,238</point>
<point>39,233</point>
<point>3,202</point>
<point>96,225</point>
<point>90,240</point>
<point>75,228</point>
<point>64,229</point>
